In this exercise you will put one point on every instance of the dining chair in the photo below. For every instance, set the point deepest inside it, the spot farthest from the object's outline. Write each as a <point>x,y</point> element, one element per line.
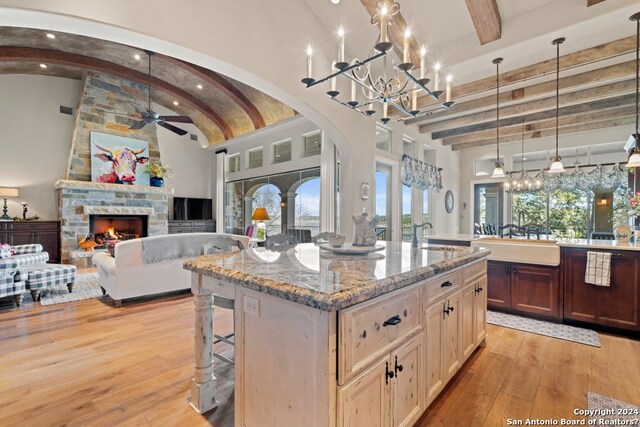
<point>218,245</point>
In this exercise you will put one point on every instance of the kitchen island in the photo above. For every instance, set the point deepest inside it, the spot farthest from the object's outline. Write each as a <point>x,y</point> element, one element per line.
<point>328,340</point>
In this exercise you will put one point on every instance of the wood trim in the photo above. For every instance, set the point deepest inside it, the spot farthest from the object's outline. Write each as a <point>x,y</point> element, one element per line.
<point>621,121</point>
<point>36,55</point>
<point>224,86</point>
<point>486,19</point>
<point>460,125</point>
<point>571,60</point>
<point>526,93</point>
<point>592,2</point>
<point>538,126</point>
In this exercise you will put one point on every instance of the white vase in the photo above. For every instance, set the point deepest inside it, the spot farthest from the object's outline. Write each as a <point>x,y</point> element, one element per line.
<point>623,233</point>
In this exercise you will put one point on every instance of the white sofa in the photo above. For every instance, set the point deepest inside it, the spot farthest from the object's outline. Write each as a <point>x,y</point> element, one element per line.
<point>127,275</point>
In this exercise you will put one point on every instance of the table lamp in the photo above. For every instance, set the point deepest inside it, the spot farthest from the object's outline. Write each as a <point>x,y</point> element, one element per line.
<point>7,192</point>
<point>260,215</point>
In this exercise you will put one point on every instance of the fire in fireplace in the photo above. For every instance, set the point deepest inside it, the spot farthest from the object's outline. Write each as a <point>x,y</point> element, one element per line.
<point>108,228</point>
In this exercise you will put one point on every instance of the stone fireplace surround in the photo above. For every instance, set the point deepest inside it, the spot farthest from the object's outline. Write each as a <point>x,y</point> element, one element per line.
<point>77,200</point>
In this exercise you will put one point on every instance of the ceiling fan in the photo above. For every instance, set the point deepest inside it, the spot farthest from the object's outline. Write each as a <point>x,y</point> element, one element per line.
<point>150,117</point>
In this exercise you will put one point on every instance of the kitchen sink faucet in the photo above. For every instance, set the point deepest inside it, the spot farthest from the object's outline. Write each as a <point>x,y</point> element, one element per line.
<point>414,238</point>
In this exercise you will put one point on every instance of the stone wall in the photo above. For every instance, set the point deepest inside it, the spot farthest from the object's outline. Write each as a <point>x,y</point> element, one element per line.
<point>105,105</point>
<point>77,200</point>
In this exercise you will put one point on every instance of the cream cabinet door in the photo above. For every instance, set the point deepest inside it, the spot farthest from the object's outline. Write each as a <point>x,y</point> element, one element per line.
<point>366,399</point>
<point>451,359</point>
<point>467,329</point>
<point>480,323</point>
<point>407,399</point>
<point>434,319</point>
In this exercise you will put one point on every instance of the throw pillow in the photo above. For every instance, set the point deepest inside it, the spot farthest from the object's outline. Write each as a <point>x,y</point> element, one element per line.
<point>6,250</point>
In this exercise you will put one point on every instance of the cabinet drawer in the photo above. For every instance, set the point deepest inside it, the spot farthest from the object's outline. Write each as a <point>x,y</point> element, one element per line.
<point>33,226</point>
<point>371,329</point>
<point>443,285</point>
<point>472,271</point>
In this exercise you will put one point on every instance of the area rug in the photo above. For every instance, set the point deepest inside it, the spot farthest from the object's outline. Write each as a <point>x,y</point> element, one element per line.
<point>85,287</point>
<point>554,330</point>
<point>610,411</point>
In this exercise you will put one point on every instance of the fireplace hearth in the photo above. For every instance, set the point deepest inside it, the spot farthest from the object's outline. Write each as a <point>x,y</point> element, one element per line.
<point>108,228</point>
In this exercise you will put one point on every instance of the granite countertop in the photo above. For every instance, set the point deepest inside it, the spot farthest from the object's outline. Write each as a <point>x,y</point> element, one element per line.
<point>598,244</point>
<point>332,282</point>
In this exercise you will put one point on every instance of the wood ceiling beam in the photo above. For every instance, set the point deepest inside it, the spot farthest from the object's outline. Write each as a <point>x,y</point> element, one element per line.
<point>486,18</point>
<point>49,56</point>
<point>442,128</point>
<point>603,104</point>
<point>592,2</point>
<point>516,130</point>
<point>572,60</point>
<point>611,72</point>
<point>223,85</point>
<point>583,127</point>
<point>396,30</point>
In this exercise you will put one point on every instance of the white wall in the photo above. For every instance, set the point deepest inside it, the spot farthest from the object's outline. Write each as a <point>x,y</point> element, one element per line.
<point>35,140</point>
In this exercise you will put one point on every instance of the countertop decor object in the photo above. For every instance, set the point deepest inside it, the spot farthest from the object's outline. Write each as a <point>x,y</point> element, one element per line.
<point>448,201</point>
<point>623,233</point>
<point>365,230</point>
<point>337,240</point>
<point>7,192</point>
<point>352,250</point>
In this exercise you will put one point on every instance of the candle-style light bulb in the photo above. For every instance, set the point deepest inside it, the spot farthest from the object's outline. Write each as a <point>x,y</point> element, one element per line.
<point>353,91</point>
<point>436,77</point>
<point>414,99</point>
<point>449,79</point>
<point>341,44</point>
<point>423,57</point>
<point>407,39</point>
<point>333,79</point>
<point>309,55</point>
<point>383,24</point>
<point>385,108</point>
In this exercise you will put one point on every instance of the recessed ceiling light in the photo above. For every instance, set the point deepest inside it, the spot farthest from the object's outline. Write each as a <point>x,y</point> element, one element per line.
<point>43,65</point>
<point>199,86</point>
<point>175,103</point>
<point>335,1</point>
<point>136,57</point>
<point>51,36</point>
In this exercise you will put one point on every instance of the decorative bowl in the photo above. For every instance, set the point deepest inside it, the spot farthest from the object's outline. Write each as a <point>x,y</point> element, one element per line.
<point>337,240</point>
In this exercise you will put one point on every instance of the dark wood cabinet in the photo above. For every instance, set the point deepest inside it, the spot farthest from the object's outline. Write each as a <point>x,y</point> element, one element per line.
<point>192,226</point>
<point>617,305</point>
<point>46,233</point>
<point>525,288</point>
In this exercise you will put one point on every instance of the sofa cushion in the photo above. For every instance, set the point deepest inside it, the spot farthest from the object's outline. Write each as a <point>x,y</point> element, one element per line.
<point>28,249</point>
<point>6,251</point>
<point>27,259</point>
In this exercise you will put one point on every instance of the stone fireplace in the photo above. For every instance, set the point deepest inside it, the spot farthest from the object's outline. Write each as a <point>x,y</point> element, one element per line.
<point>80,201</point>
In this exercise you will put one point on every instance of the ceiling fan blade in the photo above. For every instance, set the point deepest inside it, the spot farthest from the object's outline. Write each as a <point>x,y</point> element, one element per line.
<point>138,108</point>
<point>172,128</point>
<point>178,119</point>
<point>138,125</point>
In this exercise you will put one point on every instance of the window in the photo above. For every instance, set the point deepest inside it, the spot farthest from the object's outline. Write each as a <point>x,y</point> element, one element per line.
<point>233,163</point>
<point>407,146</point>
<point>383,139</point>
<point>312,145</point>
<point>255,158</point>
<point>282,151</point>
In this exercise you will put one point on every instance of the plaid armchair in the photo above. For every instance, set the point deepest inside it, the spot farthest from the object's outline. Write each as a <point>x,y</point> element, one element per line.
<point>13,273</point>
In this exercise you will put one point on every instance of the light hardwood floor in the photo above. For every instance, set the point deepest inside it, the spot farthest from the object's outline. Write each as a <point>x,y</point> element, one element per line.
<point>89,363</point>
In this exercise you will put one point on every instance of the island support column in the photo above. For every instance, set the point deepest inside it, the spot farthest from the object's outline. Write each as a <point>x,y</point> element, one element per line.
<point>204,383</point>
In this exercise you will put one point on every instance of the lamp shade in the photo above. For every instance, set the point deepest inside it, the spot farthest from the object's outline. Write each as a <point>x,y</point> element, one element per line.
<point>9,192</point>
<point>556,167</point>
<point>498,172</point>
<point>634,159</point>
<point>260,214</point>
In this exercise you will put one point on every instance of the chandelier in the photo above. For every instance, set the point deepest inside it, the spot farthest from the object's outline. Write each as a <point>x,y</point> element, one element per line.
<point>392,83</point>
<point>521,182</point>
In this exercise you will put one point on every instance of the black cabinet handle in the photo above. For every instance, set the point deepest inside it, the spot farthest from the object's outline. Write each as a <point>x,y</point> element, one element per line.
<point>446,284</point>
<point>398,368</point>
<point>506,270</point>
<point>450,309</point>
<point>515,270</point>
<point>392,320</point>
<point>387,373</point>
<point>445,310</point>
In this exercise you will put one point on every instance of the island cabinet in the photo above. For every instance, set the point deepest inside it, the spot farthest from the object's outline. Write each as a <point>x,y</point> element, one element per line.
<point>525,288</point>
<point>617,305</point>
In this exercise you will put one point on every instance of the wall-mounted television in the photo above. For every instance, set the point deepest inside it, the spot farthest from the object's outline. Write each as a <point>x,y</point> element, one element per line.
<point>185,208</point>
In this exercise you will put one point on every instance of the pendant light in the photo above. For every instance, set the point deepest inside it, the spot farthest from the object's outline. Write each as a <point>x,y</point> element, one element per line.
<point>556,166</point>
<point>498,172</point>
<point>634,153</point>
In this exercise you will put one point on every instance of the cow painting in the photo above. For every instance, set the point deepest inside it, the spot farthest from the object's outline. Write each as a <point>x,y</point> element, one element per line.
<point>122,163</point>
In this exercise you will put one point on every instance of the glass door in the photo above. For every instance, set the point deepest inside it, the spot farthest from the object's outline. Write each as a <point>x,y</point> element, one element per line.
<point>488,208</point>
<point>383,201</point>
